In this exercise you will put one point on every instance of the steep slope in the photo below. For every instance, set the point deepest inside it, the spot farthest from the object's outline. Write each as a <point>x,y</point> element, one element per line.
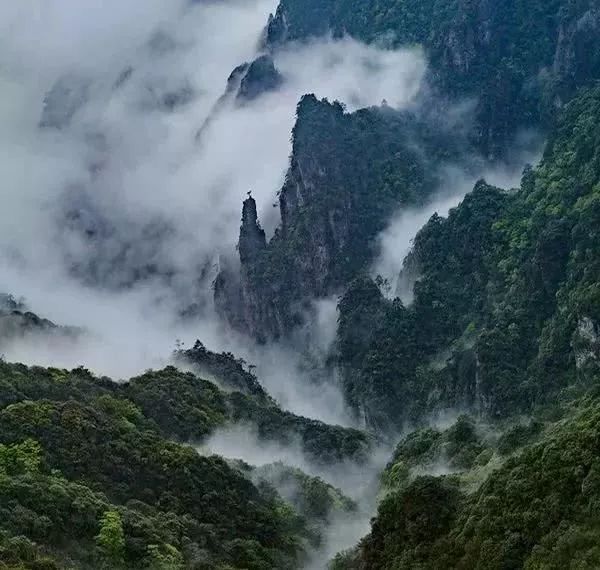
<point>505,312</point>
<point>519,59</point>
<point>349,172</point>
<point>74,453</point>
<point>533,508</point>
<point>91,476</point>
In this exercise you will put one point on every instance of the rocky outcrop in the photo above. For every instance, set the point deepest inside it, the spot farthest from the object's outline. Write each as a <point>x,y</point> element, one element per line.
<point>577,56</point>
<point>348,173</point>
<point>261,76</point>
<point>298,21</point>
<point>250,80</point>
<point>586,346</point>
<point>517,59</point>
<point>252,237</point>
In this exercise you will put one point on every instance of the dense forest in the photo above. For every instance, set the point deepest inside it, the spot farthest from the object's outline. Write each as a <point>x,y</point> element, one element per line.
<point>471,425</point>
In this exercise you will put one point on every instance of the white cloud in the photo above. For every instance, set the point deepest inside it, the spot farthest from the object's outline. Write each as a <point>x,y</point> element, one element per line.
<point>125,162</point>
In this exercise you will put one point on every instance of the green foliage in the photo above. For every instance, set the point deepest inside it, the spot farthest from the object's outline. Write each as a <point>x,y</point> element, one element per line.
<point>224,368</point>
<point>518,436</point>
<point>539,509</point>
<point>89,476</point>
<point>167,558</point>
<point>184,406</point>
<point>518,57</point>
<point>457,449</point>
<point>20,458</point>
<point>349,172</point>
<point>111,538</point>
<point>312,497</point>
<point>506,301</point>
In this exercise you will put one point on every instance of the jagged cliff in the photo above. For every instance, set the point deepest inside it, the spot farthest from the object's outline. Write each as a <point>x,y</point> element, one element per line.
<point>348,173</point>
<point>518,59</point>
<point>506,307</point>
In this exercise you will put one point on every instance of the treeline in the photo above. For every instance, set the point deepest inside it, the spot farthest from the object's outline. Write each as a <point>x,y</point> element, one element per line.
<point>92,476</point>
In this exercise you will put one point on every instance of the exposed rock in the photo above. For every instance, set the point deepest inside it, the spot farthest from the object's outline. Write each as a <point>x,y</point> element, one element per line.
<point>348,173</point>
<point>246,82</point>
<point>577,57</point>
<point>252,237</point>
<point>261,76</point>
<point>516,60</point>
<point>298,21</point>
<point>586,345</point>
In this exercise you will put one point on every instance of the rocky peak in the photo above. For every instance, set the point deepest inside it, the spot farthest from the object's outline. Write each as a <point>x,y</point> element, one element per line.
<point>261,76</point>
<point>252,237</point>
<point>348,173</point>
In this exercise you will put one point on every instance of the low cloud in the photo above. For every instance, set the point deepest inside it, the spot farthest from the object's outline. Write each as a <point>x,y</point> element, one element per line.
<point>396,241</point>
<point>360,482</point>
<point>123,189</point>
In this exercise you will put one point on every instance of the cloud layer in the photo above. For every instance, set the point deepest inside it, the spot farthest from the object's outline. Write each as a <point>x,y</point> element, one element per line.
<point>122,189</point>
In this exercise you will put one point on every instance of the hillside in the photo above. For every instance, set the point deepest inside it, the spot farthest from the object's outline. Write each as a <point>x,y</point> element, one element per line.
<point>92,477</point>
<point>445,415</point>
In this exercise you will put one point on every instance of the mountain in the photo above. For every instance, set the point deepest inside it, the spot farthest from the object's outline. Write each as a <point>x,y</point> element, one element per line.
<point>92,477</point>
<point>527,500</point>
<point>471,404</point>
<point>519,59</point>
<point>518,63</point>
<point>348,173</point>
<point>18,322</point>
<point>505,304</point>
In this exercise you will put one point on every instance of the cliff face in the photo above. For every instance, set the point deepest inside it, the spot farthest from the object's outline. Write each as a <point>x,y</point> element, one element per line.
<point>519,59</point>
<point>506,299</point>
<point>260,77</point>
<point>577,56</point>
<point>348,173</point>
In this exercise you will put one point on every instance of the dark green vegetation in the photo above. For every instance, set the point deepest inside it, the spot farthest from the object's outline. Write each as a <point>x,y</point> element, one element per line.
<point>506,301</point>
<point>225,369</point>
<point>91,476</point>
<point>505,324</point>
<point>246,404</point>
<point>349,172</point>
<point>496,70</point>
<point>535,509</point>
<point>311,496</point>
<point>520,58</point>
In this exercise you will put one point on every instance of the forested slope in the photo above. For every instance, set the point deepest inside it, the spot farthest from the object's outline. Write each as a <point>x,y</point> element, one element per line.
<point>91,475</point>
<point>518,59</point>
<point>488,375</point>
<point>505,311</point>
<point>463,499</point>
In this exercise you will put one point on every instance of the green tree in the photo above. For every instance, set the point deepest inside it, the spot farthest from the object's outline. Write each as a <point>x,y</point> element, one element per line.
<point>111,538</point>
<point>166,557</point>
<point>22,457</point>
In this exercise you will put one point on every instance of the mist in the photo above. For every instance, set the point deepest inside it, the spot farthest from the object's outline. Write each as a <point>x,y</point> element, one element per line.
<point>396,241</point>
<point>358,481</point>
<point>115,212</point>
<point>118,187</point>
